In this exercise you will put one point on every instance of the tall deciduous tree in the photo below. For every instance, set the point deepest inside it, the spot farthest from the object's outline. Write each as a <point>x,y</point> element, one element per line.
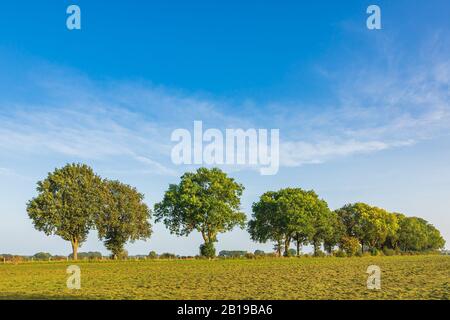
<point>67,202</point>
<point>207,201</point>
<point>372,226</point>
<point>125,218</point>
<point>416,234</point>
<point>269,223</point>
<point>286,215</point>
<point>336,231</point>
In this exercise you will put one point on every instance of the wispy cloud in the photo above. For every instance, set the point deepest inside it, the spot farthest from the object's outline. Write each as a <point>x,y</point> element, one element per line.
<point>373,110</point>
<point>298,153</point>
<point>5,171</point>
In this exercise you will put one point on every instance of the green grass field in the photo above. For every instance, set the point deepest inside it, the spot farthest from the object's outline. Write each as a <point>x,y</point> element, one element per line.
<point>403,277</point>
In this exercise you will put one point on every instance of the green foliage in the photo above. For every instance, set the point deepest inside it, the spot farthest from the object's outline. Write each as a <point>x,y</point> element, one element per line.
<point>152,255</point>
<point>370,225</point>
<point>43,256</point>
<point>416,234</point>
<point>207,201</point>
<point>73,200</point>
<point>67,202</point>
<point>335,232</point>
<point>319,253</point>
<point>340,253</point>
<point>207,250</point>
<point>125,218</point>
<point>389,252</point>
<point>323,227</point>
<point>232,253</point>
<point>377,230</point>
<point>259,253</point>
<point>435,240</point>
<point>167,255</point>
<point>90,255</point>
<point>123,254</point>
<point>350,245</point>
<point>250,255</point>
<point>289,214</point>
<point>376,252</point>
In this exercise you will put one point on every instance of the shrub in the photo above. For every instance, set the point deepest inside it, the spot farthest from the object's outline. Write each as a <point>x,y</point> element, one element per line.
<point>152,255</point>
<point>340,253</point>
<point>259,253</point>
<point>376,252</point>
<point>291,253</point>
<point>87,255</point>
<point>250,255</point>
<point>389,252</point>
<point>42,256</point>
<point>167,255</point>
<point>319,253</point>
<point>207,250</point>
<point>232,254</point>
<point>350,245</point>
<point>121,256</point>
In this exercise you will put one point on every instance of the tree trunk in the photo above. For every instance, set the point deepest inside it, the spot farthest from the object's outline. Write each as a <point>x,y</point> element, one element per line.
<point>205,237</point>
<point>298,248</point>
<point>75,249</point>
<point>315,245</point>
<point>287,244</point>
<point>279,249</point>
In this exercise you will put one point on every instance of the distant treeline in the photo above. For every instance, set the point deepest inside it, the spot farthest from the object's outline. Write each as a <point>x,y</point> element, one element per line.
<point>74,200</point>
<point>224,254</point>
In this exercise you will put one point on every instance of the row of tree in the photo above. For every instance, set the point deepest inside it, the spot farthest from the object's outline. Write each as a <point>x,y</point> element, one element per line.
<point>294,215</point>
<point>73,200</point>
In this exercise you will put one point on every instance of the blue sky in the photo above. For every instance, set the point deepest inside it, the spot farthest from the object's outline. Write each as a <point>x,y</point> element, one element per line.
<point>363,115</point>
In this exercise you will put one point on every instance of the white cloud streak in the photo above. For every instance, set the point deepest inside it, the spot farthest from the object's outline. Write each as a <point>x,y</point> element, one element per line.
<point>373,111</point>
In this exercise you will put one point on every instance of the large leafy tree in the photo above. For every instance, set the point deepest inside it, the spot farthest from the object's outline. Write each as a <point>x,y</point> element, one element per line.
<point>335,232</point>
<point>207,201</point>
<point>392,239</point>
<point>269,223</point>
<point>377,225</point>
<point>434,238</point>
<point>372,226</point>
<point>125,218</point>
<point>67,202</point>
<point>412,235</point>
<point>416,234</point>
<point>376,228</point>
<point>286,215</point>
<point>351,217</point>
<point>322,223</point>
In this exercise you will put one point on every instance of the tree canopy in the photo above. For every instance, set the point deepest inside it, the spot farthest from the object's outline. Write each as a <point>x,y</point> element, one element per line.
<point>67,202</point>
<point>376,228</point>
<point>288,214</point>
<point>207,201</point>
<point>73,200</point>
<point>125,218</point>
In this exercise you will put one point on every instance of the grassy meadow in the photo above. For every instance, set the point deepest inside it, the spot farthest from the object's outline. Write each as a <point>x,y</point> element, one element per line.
<point>403,277</point>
